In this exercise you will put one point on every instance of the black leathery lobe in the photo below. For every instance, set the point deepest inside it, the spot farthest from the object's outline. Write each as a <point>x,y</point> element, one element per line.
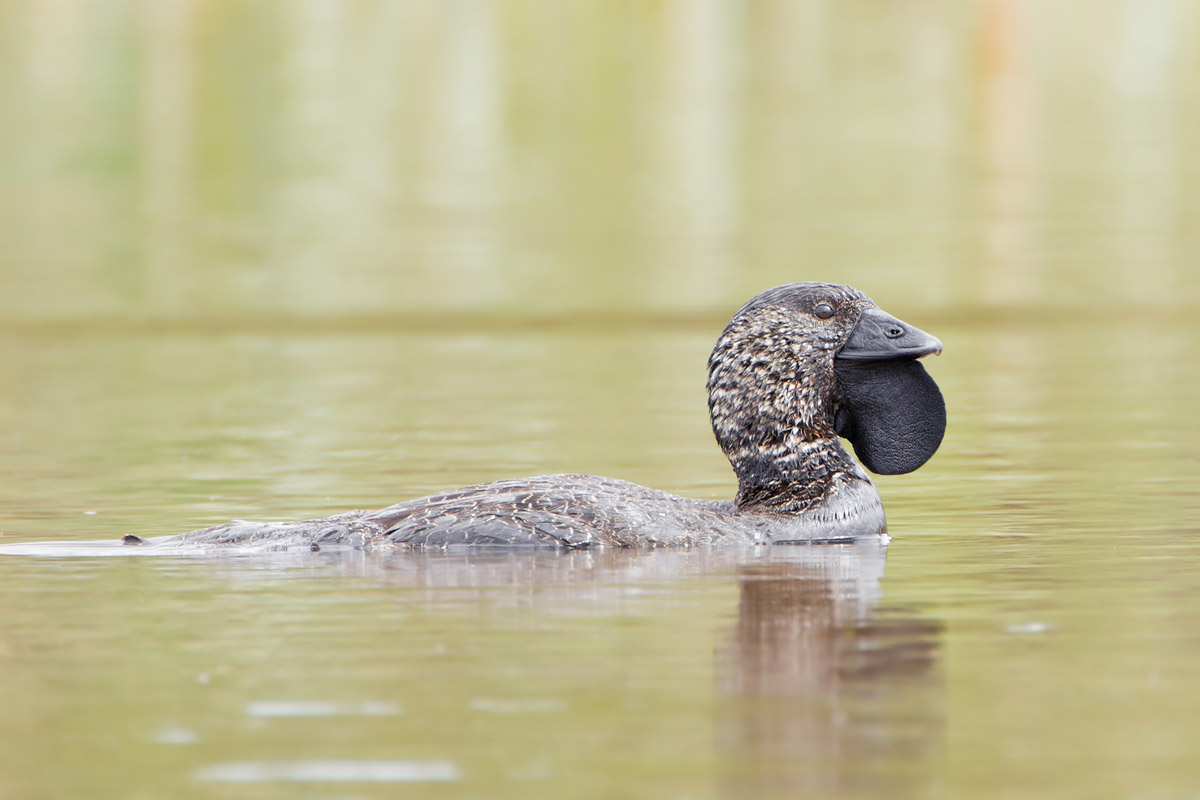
<point>891,411</point>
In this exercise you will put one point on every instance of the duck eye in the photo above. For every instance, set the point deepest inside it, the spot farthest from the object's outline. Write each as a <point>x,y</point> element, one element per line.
<point>823,311</point>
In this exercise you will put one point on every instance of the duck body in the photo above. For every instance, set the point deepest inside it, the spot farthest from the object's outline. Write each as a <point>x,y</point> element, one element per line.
<point>796,367</point>
<point>559,511</point>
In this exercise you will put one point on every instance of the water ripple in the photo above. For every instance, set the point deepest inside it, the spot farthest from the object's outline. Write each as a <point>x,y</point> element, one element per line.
<point>328,771</point>
<point>320,708</point>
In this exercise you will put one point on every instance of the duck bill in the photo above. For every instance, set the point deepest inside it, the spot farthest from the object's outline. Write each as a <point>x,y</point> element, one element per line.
<point>879,336</point>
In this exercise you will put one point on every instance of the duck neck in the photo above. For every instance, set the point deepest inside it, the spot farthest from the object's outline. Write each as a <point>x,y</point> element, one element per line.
<point>790,477</point>
<point>772,414</point>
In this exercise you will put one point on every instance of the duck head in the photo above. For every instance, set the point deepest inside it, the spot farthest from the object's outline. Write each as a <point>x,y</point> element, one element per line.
<point>801,364</point>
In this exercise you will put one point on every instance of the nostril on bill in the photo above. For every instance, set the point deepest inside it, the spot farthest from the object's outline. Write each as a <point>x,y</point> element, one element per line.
<point>894,332</point>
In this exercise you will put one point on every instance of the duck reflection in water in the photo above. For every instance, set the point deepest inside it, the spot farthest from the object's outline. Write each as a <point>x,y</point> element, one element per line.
<point>822,689</point>
<point>825,693</point>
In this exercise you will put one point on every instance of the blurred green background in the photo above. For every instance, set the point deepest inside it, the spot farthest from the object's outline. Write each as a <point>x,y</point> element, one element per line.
<point>266,259</point>
<point>182,161</point>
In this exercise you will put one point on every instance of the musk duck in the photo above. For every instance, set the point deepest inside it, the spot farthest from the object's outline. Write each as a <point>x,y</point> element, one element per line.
<point>795,369</point>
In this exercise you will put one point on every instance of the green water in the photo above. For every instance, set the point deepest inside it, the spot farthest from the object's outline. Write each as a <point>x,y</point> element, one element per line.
<point>274,260</point>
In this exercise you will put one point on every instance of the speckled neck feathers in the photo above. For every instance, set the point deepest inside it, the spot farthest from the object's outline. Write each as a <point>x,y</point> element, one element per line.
<point>772,392</point>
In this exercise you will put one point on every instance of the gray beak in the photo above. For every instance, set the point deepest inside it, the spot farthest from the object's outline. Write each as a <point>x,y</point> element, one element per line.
<point>879,336</point>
